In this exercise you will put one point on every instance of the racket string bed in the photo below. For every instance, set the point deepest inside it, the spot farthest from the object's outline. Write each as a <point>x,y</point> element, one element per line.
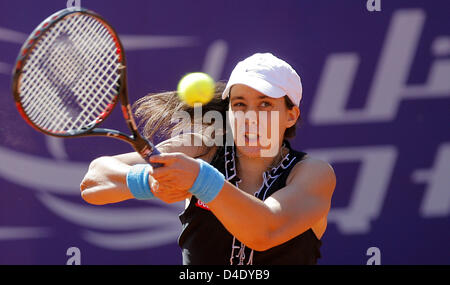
<point>41,51</point>
<point>44,51</point>
<point>94,77</point>
<point>32,63</point>
<point>42,100</point>
<point>79,41</point>
<point>91,111</point>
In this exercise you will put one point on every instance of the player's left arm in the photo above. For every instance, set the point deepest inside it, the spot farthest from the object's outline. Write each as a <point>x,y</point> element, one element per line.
<point>304,200</point>
<point>290,211</point>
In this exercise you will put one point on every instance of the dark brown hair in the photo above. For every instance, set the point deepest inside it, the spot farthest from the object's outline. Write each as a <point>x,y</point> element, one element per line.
<point>155,112</point>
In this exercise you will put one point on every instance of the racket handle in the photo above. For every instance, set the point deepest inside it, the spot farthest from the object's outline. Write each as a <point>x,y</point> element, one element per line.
<point>153,164</point>
<point>146,149</point>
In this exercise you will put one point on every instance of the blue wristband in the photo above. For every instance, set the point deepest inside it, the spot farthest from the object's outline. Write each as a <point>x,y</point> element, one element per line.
<point>208,184</point>
<point>137,182</point>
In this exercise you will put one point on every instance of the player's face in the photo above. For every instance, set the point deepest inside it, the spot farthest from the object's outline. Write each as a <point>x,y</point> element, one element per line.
<point>258,122</point>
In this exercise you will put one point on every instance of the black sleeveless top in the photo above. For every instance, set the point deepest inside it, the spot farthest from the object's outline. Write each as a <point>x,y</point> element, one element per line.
<point>205,241</point>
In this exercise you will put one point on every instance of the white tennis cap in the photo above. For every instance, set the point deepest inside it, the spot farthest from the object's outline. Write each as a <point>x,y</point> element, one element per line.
<point>269,75</point>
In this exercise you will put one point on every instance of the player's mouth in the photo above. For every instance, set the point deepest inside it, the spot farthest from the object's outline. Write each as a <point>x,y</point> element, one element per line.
<point>251,138</point>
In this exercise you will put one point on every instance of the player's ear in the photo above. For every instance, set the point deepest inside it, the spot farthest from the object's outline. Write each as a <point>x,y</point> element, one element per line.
<point>292,116</point>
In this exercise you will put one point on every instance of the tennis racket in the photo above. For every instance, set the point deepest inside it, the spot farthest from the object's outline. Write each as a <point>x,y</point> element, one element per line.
<point>69,76</point>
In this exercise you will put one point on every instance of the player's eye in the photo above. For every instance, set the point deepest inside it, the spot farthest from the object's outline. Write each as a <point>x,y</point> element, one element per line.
<point>265,104</point>
<point>238,104</point>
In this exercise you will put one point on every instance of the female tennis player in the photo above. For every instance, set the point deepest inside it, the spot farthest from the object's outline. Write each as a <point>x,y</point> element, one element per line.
<point>244,203</point>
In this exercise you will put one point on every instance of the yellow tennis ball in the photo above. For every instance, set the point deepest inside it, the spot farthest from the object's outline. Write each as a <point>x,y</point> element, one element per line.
<point>197,87</point>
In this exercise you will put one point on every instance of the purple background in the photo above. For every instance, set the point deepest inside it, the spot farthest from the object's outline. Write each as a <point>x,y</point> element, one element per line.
<point>404,151</point>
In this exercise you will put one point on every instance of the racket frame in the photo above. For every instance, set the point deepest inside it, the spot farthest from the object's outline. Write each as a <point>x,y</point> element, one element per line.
<point>143,146</point>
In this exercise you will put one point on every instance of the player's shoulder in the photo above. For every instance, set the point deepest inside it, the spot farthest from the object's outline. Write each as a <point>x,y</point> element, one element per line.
<point>311,168</point>
<point>310,161</point>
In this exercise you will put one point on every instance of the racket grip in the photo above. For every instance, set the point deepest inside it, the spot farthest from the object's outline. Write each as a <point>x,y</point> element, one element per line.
<point>146,149</point>
<point>153,164</point>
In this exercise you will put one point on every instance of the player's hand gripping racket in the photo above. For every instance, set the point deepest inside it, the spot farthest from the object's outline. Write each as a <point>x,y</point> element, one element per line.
<point>69,75</point>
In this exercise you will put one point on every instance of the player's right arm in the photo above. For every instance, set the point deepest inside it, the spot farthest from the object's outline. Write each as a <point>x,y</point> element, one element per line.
<point>105,180</point>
